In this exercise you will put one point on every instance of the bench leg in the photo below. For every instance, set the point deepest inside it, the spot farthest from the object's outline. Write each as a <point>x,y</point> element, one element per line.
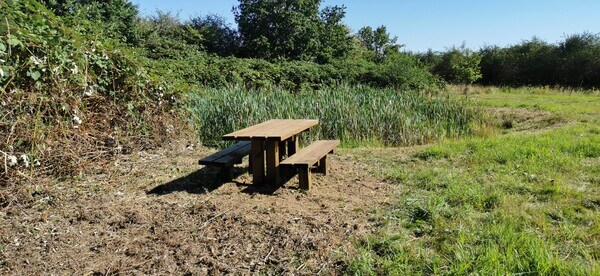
<point>250,164</point>
<point>258,162</point>
<point>304,177</point>
<point>272,149</point>
<point>293,144</point>
<point>323,168</point>
<point>226,173</point>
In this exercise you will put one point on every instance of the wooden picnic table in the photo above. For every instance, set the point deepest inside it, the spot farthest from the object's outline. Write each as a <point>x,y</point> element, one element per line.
<point>273,137</point>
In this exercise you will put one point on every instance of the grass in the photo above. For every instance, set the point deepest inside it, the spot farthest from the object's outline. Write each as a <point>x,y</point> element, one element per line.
<point>574,104</point>
<point>358,116</point>
<point>518,203</point>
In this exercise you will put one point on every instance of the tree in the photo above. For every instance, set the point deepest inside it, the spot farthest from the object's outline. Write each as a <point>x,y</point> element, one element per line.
<point>291,29</point>
<point>459,65</point>
<point>378,41</point>
<point>166,37</point>
<point>218,36</point>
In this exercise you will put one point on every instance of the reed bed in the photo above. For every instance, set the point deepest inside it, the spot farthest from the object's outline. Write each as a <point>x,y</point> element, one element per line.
<point>357,115</point>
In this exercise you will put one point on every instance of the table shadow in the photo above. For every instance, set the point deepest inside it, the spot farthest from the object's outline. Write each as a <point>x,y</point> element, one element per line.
<point>204,180</point>
<point>264,189</point>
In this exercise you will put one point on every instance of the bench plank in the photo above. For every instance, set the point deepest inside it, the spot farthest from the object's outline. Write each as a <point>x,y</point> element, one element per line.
<point>312,154</point>
<point>228,156</point>
<point>308,156</point>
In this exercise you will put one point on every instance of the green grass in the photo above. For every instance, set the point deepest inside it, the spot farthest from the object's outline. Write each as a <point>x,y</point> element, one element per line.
<point>359,116</point>
<point>520,203</point>
<point>574,104</point>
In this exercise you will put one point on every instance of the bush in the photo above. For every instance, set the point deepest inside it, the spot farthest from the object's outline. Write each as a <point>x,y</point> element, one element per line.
<point>66,94</point>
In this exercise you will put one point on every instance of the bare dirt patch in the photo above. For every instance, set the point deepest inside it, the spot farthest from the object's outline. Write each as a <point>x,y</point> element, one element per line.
<point>157,212</point>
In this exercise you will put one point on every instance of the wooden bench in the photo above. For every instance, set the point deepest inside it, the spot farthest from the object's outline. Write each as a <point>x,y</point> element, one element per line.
<point>227,158</point>
<point>303,160</point>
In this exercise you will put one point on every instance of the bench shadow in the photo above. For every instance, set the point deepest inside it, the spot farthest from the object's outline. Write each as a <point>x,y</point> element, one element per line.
<point>204,180</point>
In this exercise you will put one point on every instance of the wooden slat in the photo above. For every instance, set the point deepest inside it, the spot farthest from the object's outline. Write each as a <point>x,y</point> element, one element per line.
<point>276,129</point>
<point>226,151</point>
<point>255,131</point>
<point>228,156</point>
<point>311,154</point>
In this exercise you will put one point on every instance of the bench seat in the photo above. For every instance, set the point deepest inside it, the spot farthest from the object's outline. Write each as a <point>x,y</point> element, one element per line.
<point>303,160</point>
<point>227,158</point>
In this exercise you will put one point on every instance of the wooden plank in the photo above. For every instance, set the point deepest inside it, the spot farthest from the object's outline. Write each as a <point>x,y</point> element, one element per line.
<point>313,153</point>
<point>278,129</point>
<point>258,162</point>
<point>272,149</point>
<point>240,146</point>
<point>255,131</point>
<point>298,128</point>
<point>234,157</point>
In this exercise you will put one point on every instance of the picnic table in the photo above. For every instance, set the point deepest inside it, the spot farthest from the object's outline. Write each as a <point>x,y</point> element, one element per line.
<point>272,139</point>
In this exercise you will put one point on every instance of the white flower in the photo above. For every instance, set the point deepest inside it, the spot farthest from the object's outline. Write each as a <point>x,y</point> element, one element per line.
<point>1,73</point>
<point>75,70</point>
<point>89,91</point>
<point>12,160</point>
<point>77,120</point>
<point>25,160</point>
<point>35,60</point>
<point>36,163</point>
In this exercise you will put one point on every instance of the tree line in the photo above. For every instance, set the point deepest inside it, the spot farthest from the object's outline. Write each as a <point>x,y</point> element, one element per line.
<point>297,44</point>
<point>574,62</point>
<point>305,34</point>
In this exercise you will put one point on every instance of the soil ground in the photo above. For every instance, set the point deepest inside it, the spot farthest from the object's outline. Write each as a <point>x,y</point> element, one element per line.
<point>159,212</point>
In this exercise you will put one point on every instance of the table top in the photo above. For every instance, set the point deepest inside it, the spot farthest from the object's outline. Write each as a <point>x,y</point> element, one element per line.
<point>276,129</point>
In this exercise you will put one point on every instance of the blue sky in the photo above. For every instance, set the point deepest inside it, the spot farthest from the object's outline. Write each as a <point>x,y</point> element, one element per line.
<point>438,24</point>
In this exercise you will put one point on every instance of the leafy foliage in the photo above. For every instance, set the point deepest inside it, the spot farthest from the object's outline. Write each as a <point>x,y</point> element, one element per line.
<point>164,36</point>
<point>65,93</point>
<point>291,29</point>
<point>457,65</point>
<point>217,36</point>
<point>573,62</point>
<point>377,41</point>
<point>119,18</point>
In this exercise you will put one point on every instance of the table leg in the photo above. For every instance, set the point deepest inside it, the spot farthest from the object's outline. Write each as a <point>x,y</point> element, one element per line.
<point>258,162</point>
<point>272,148</point>
<point>293,144</point>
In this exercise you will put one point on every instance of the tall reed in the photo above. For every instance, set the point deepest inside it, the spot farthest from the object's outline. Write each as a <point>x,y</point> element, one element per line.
<point>357,115</point>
